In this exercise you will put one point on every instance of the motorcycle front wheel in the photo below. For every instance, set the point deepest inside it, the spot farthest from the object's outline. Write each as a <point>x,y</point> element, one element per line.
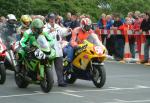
<point>48,81</point>
<point>98,75</point>
<point>2,74</point>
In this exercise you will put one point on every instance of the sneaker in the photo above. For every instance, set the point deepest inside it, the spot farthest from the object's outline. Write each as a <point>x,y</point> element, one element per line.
<point>122,61</point>
<point>62,85</point>
<point>147,64</point>
<point>144,61</point>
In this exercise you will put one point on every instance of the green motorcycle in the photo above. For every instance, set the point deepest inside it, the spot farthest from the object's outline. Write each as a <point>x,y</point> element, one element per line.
<point>35,66</point>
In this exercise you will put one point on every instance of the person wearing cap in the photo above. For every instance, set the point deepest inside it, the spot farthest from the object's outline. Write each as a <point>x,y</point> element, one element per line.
<point>58,33</point>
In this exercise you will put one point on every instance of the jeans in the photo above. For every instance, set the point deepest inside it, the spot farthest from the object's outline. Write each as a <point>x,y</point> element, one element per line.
<point>132,45</point>
<point>58,63</point>
<point>69,51</point>
<point>119,46</point>
<point>132,49</point>
<point>146,49</point>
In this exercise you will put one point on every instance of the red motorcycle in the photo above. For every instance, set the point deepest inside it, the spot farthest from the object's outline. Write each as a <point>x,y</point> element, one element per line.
<point>2,59</point>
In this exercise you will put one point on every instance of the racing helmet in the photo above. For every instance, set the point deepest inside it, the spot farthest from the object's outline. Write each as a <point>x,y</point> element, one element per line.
<point>37,25</point>
<point>86,24</point>
<point>26,19</point>
<point>11,17</point>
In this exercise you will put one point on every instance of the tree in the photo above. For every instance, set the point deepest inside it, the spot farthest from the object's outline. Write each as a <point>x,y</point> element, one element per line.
<point>90,7</point>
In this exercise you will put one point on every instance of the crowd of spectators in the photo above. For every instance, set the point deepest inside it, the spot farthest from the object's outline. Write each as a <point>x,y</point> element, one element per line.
<point>136,21</point>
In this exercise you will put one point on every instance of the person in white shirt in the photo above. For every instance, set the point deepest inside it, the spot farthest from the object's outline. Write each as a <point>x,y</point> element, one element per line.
<point>58,33</point>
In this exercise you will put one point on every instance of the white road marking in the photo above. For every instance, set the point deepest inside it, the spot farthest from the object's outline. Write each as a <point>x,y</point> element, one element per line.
<point>134,101</point>
<point>116,88</point>
<point>20,95</point>
<point>119,100</point>
<point>74,95</point>
<point>88,102</point>
<point>109,89</point>
<point>38,93</point>
<point>69,92</point>
<point>141,86</point>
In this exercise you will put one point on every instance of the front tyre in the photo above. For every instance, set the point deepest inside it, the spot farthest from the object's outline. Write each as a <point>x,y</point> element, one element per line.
<point>48,81</point>
<point>2,74</point>
<point>20,81</point>
<point>98,75</point>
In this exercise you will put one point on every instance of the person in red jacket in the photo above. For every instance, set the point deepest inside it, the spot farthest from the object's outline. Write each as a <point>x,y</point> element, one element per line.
<point>124,28</point>
<point>136,28</point>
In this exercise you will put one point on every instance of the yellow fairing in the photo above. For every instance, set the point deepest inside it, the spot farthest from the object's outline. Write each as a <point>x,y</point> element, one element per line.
<point>82,60</point>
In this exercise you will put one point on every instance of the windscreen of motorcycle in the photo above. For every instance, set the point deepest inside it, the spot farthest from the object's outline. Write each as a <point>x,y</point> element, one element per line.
<point>43,43</point>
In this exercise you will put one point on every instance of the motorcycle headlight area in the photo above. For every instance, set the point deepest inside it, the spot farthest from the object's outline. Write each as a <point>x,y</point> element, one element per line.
<point>39,54</point>
<point>98,49</point>
<point>1,48</point>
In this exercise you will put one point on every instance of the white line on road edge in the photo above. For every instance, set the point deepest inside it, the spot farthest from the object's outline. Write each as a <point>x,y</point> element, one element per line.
<point>68,92</point>
<point>135,101</point>
<point>20,95</point>
<point>110,89</point>
<point>141,86</point>
<point>38,93</point>
<point>72,94</point>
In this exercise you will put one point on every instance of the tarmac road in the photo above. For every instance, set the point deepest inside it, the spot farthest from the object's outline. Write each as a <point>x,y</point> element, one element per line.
<point>126,83</point>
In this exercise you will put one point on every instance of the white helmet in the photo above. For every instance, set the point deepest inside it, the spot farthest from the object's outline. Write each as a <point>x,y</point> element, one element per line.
<point>86,24</point>
<point>11,17</point>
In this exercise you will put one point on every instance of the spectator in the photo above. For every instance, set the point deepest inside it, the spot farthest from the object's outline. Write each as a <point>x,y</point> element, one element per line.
<point>130,17</point>
<point>136,28</point>
<point>109,39</point>
<point>59,20</point>
<point>102,21</point>
<point>57,32</point>
<point>128,26</point>
<point>74,23</point>
<point>145,26</point>
<point>67,21</point>
<point>2,23</point>
<point>119,39</point>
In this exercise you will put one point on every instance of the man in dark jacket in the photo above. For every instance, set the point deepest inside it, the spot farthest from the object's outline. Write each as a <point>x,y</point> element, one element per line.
<point>67,21</point>
<point>74,23</point>
<point>119,39</point>
<point>145,26</point>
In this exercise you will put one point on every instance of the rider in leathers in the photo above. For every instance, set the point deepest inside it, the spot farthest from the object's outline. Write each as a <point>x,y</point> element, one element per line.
<point>31,35</point>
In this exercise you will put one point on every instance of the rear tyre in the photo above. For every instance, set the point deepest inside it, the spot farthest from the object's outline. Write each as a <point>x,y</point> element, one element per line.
<point>20,81</point>
<point>2,74</point>
<point>69,78</point>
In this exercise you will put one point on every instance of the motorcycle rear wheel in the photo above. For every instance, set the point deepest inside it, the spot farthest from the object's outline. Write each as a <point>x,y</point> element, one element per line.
<point>2,74</point>
<point>20,81</point>
<point>47,83</point>
<point>69,78</point>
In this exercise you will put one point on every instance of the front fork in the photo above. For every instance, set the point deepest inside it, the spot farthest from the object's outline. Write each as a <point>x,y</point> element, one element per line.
<point>94,63</point>
<point>11,58</point>
<point>41,70</point>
